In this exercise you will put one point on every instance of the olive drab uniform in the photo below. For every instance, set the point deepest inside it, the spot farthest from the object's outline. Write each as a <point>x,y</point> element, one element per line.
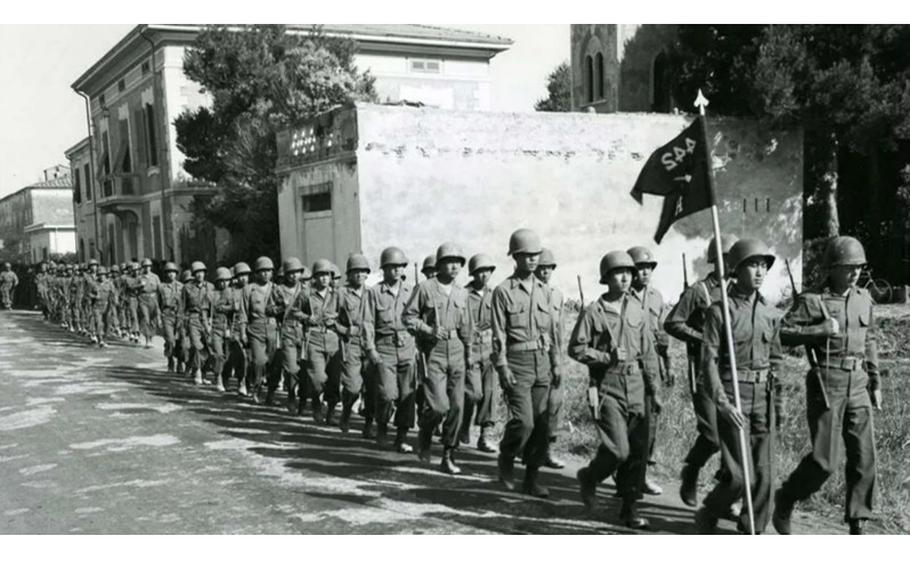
<point>8,283</point>
<point>480,383</point>
<point>238,356</point>
<point>555,402</point>
<point>617,345</point>
<point>394,376</point>
<point>838,406</point>
<point>197,299</point>
<point>103,296</point>
<point>653,308</point>
<point>260,329</point>
<point>290,328</point>
<point>42,282</point>
<point>134,286</point>
<point>756,335</point>
<point>350,328</point>
<point>222,311</point>
<point>319,311</point>
<point>76,293</point>
<point>148,303</point>
<point>433,306</point>
<point>525,340</point>
<point>170,301</point>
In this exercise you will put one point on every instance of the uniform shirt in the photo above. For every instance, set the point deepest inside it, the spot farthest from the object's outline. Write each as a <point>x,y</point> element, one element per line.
<point>803,324</point>
<point>382,310</point>
<point>41,282</point>
<point>88,283</point>
<point>8,279</point>
<point>76,287</point>
<point>605,339</point>
<point>150,283</point>
<point>480,303</point>
<point>318,309</point>
<point>756,337</point>
<point>103,294</point>
<point>686,320</point>
<point>522,314</point>
<point>238,294</point>
<point>221,309</point>
<point>170,296</point>
<point>134,286</point>
<point>350,311</point>
<point>431,304</point>
<point>197,298</point>
<point>254,302</point>
<point>557,301</point>
<point>280,303</point>
<point>652,303</point>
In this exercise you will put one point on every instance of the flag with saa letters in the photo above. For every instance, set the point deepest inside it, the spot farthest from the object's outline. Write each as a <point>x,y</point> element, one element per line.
<point>679,172</point>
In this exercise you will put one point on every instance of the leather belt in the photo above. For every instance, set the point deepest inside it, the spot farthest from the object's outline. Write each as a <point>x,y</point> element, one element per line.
<point>623,369</point>
<point>524,346</point>
<point>747,375</point>
<point>843,363</point>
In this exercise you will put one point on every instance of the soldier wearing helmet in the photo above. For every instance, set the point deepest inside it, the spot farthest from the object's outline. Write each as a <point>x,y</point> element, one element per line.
<point>391,350</point>
<point>197,305</point>
<point>41,287</point>
<point>349,326</point>
<point>149,314</point>
<point>170,298</point>
<point>90,281</point>
<point>8,283</point>
<point>134,286</point>
<point>480,380</point>
<point>685,322</point>
<point>258,329</point>
<point>221,314</point>
<point>843,386</point>
<point>613,340</point>
<point>527,358</point>
<point>654,308</point>
<point>758,353</point>
<point>437,314</point>
<point>103,295</point>
<point>290,348</point>
<point>429,267</point>
<point>238,354</point>
<point>76,297</point>
<point>545,268</point>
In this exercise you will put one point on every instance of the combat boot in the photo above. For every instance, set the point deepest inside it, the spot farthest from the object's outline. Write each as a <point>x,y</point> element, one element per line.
<point>532,487</point>
<point>241,389</point>
<point>401,446</point>
<point>318,412</point>
<point>448,464</point>
<point>464,435</point>
<point>170,365</point>
<point>553,463</point>
<point>587,488</point>
<point>651,488</point>
<point>424,442</point>
<point>197,377</point>
<point>506,471</point>
<point>857,526</point>
<point>382,434</point>
<point>705,522</point>
<point>94,339</point>
<point>330,415</point>
<point>219,385</point>
<point>369,430</point>
<point>688,486</point>
<point>628,514</point>
<point>180,367</point>
<point>345,423</point>
<point>483,443</point>
<point>783,510</point>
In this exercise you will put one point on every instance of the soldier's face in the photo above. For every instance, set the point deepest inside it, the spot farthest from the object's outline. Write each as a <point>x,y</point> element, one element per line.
<point>481,277</point>
<point>448,269</point>
<point>544,273</point>
<point>265,276</point>
<point>291,278</point>
<point>146,269</point>
<point>169,276</point>
<point>619,280</point>
<point>526,262</point>
<point>643,274</point>
<point>243,279</point>
<point>429,273</point>
<point>221,284</point>
<point>357,278</point>
<point>199,276</point>
<point>843,277</point>
<point>751,273</point>
<point>393,273</point>
<point>322,280</point>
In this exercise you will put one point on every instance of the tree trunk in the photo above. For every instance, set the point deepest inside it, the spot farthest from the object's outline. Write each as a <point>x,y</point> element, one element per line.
<point>827,185</point>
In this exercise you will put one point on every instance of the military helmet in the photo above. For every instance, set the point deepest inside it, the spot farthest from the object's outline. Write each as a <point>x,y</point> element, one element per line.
<point>725,244</point>
<point>357,261</point>
<point>394,256</point>
<point>450,250</point>
<point>642,256</point>
<point>222,273</point>
<point>479,261</point>
<point>614,260</point>
<point>197,266</point>
<point>292,264</point>
<point>114,269</point>
<point>744,249</point>
<point>134,266</point>
<point>336,272</point>
<point>524,241</point>
<point>322,265</point>
<point>124,267</point>
<point>146,262</point>
<point>102,270</point>
<point>844,251</point>
<point>186,276</point>
<point>170,267</point>
<point>546,258</point>
<point>280,272</point>
<point>93,261</point>
<point>264,263</point>
<point>241,268</point>
<point>429,264</point>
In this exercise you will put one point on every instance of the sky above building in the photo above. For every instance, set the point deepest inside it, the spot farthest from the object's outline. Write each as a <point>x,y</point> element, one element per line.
<point>41,117</point>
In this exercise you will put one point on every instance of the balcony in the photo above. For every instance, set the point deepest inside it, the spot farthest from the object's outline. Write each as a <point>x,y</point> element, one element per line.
<point>119,190</point>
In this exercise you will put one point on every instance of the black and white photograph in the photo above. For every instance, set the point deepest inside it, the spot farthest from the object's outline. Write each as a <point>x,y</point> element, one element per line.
<point>455,279</point>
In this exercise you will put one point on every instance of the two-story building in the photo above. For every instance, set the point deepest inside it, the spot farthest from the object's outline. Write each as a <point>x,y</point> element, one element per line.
<point>136,198</point>
<point>37,221</point>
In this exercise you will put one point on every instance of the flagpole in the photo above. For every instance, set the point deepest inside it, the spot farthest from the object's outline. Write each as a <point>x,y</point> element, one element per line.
<point>701,102</point>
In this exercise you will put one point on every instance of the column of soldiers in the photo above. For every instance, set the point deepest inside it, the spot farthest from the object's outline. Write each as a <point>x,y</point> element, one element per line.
<point>430,355</point>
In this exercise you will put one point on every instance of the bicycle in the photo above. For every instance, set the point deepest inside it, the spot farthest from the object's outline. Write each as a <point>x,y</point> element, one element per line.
<point>879,288</point>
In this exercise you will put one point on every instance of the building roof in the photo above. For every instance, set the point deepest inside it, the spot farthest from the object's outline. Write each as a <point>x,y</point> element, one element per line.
<point>62,182</point>
<point>415,31</point>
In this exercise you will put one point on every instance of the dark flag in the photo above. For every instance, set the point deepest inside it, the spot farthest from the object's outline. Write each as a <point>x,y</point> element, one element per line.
<point>679,172</point>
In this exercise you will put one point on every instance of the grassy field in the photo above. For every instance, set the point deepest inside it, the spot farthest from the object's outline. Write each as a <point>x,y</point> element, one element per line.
<point>677,427</point>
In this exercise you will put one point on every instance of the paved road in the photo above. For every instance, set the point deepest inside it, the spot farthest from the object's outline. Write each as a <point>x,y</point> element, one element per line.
<point>104,441</point>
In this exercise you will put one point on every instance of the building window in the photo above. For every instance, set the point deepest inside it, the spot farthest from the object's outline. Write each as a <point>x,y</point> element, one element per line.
<point>125,158</point>
<point>107,184</point>
<point>316,198</point>
<point>589,79</point>
<point>86,176</point>
<point>599,75</point>
<point>146,67</point>
<point>426,66</point>
<point>101,102</point>
<point>151,139</point>
<point>121,85</point>
<point>77,186</point>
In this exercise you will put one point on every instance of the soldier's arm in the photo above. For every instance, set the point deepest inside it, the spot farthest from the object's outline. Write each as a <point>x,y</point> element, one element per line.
<point>650,368</point>
<point>676,322</point>
<point>499,318</point>
<point>367,309</point>
<point>871,362</point>
<point>466,331</point>
<point>340,328</point>
<point>804,322</point>
<point>583,340</point>
<point>776,349</point>
<point>410,317</point>
<point>710,353</point>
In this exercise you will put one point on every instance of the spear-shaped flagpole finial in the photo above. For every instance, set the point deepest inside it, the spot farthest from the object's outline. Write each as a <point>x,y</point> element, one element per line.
<point>701,101</point>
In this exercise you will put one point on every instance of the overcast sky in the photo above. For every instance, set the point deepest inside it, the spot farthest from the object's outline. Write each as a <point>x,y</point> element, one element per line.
<point>41,117</point>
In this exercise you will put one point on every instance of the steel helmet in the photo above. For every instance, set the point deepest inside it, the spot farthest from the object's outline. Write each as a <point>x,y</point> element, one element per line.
<point>546,258</point>
<point>134,266</point>
<point>479,261</point>
<point>102,270</point>
<point>524,241</point>
<point>124,267</point>
<point>264,263</point>
<point>241,268</point>
<point>197,266</point>
<point>450,250</point>
<point>745,249</point>
<point>614,260</point>
<point>222,273</point>
<point>429,264</point>
<point>641,255</point>
<point>170,267</point>
<point>92,261</point>
<point>844,251</point>
<point>146,262</point>
<point>187,276</point>
<point>725,244</point>
<point>394,256</point>
<point>322,265</point>
<point>357,261</point>
<point>336,272</point>
<point>292,264</point>
<point>115,269</point>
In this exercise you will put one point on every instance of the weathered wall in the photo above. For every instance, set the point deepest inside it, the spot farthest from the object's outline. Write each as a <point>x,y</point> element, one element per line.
<point>641,45</point>
<point>590,40</point>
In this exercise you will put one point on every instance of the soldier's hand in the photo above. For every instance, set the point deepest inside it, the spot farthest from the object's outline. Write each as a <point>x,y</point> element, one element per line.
<point>656,403</point>
<point>876,396</point>
<point>506,378</point>
<point>440,333</point>
<point>353,330</point>
<point>832,327</point>
<point>374,358</point>
<point>557,377</point>
<point>729,413</point>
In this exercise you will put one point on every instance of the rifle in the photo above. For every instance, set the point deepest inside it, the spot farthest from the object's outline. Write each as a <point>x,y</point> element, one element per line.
<point>810,355</point>
<point>593,391</point>
<point>691,370</point>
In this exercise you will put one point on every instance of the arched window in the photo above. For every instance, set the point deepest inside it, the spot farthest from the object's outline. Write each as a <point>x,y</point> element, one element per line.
<point>589,79</point>
<point>660,84</point>
<point>599,75</point>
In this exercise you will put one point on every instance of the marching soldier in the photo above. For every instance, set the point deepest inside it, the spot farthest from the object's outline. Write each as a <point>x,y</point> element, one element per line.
<point>126,323</point>
<point>103,296</point>
<point>842,386</point>
<point>76,295</point>
<point>429,267</point>
<point>545,267</point>
<point>653,307</point>
<point>438,315</point>
<point>170,298</point>
<point>197,298</point>
<point>114,278</point>
<point>221,315</point>
<point>91,280</point>
<point>390,349</point>
<point>134,286</point>
<point>756,335</point>
<point>41,286</point>
<point>289,326</point>
<point>238,357</point>
<point>8,283</point>
<point>686,322</point>
<point>527,359</point>
<point>480,384</point>
<point>148,301</point>
<point>350,328</point>
<point>613,339</point>
<point>258,329</point>
<point>183,337</point>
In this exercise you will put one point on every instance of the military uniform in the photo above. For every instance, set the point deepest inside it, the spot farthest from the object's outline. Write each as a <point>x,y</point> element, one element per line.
<point>260,330</point>
<point>148,304</point>
<point>8,283</point>
<point>76,295</point>
<point>480,384</point>
<point>290,330</point>
<point>42,281</point>
<point>238,356</point>
<point>197,299</point>
<point>170,298</point>
<point>319,312</point>
<point>103,296</point>
<point>350,329</point>
<point>221,316</point>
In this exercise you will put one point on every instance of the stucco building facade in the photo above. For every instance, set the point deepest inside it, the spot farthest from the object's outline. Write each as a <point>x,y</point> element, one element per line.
<point>37,221</point>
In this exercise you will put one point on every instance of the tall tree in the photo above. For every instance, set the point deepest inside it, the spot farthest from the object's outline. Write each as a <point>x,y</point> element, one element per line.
<point>559,85</point>
<point>261,79</point>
